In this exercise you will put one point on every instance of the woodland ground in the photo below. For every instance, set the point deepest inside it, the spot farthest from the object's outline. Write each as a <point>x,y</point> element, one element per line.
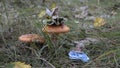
<point>18,17</point>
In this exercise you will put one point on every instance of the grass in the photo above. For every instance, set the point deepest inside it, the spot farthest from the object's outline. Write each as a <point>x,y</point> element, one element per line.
<point>20,17</point>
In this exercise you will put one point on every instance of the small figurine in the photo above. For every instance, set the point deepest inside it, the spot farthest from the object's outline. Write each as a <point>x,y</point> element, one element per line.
<point>78,54</point>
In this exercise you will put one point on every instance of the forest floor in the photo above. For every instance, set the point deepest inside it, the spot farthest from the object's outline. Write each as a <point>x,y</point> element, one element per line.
<point>18,17</point>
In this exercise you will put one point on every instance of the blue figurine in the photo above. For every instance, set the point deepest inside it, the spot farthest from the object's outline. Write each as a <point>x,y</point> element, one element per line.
<point>78,54</point>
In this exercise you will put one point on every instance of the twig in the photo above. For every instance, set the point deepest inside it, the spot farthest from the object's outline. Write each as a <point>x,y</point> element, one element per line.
<point>47,62</point>
<point>43,1</point>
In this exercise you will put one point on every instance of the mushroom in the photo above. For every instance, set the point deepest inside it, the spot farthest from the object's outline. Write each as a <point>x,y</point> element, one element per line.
<point>32,38</point>
<point>54,30</point>
<point>54,25</point>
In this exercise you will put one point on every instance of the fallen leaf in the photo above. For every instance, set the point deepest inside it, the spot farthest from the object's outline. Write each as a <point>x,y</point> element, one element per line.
<point>53,5</point>
<point>41,14</point>
<point>18,65</point>
<point>21,65</point>
<point>99,22</point>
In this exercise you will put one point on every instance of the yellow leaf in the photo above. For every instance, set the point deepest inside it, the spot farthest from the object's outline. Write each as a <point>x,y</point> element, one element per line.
<point>42,13</point>
<point>21,65</point>
<point>99,22</point>
<point>53,5</point>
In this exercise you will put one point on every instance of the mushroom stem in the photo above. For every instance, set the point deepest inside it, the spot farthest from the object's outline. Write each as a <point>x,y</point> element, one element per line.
<point>54,39</point>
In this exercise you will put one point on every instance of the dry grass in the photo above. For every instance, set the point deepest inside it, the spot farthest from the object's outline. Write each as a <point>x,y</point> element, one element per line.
<point>19,17</point>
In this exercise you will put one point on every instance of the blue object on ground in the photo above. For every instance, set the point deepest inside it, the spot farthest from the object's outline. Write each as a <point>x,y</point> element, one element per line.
<point>78,56</point>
